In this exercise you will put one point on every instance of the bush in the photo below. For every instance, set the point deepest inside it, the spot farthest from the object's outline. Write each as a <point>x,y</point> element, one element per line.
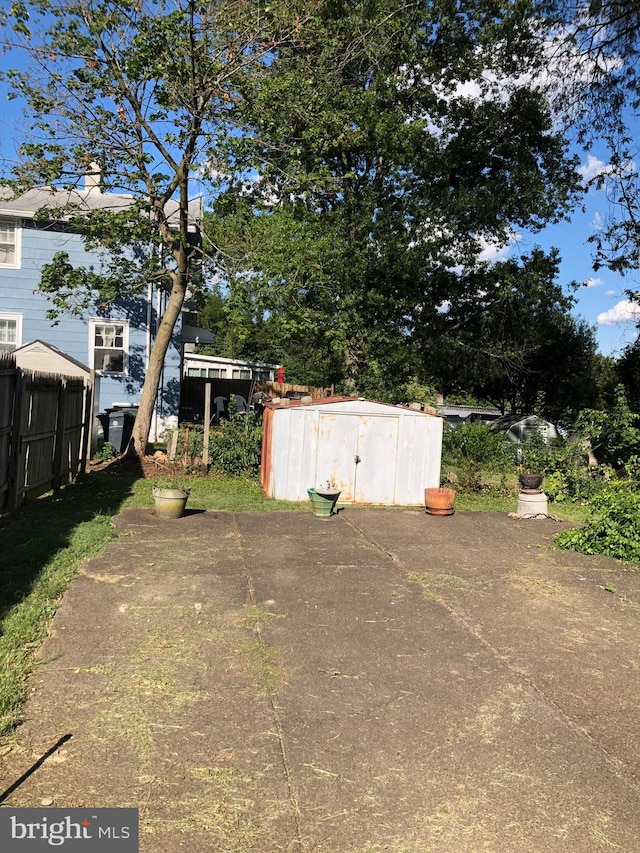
<point>236,447</point>
<point>564,465</point>
<point>478,444</point>
<point>474,448</point>
<point>613,528</point>
<point>614,434</point>
<point>189,446</point>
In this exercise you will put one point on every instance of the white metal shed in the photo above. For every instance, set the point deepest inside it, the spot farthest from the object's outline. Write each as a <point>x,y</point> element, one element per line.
<point>375,453</point>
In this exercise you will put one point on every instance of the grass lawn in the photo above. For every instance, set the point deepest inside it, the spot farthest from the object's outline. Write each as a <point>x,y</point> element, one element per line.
<point>46,540</point>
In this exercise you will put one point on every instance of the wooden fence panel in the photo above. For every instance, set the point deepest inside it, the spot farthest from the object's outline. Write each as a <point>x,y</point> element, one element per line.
<point>72,457</point>
<point>279,389</point>
<point>44,433</point>
<point>38,429</point>
<point>8,379</point>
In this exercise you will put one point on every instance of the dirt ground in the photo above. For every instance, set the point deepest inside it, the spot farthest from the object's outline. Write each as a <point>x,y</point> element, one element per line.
<point>378,681</point>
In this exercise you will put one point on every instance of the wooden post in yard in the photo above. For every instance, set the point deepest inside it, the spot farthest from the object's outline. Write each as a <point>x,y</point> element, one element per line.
<point>207,427</point>
<point>56,479</point>
<point>16,475</point>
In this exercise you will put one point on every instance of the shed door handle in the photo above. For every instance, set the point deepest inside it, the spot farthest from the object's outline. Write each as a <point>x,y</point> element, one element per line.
<point>356,459</point>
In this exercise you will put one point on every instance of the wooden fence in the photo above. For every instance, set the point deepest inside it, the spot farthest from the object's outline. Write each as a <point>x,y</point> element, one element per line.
<point>45,425</point>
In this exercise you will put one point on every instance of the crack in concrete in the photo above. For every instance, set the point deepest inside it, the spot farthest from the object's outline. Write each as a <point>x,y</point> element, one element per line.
<point>297,817</point>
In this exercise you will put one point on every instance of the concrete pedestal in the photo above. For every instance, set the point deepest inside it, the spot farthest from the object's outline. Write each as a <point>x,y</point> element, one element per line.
<point>532,505</point>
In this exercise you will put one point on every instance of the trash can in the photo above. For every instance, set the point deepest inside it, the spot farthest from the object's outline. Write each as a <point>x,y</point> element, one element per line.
<point>120,428</point>
<point>103,419</point>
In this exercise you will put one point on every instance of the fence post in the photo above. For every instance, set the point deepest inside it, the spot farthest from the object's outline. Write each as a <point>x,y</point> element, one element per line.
<point>15,481</point>
<point>87,428</point>
<point>60,442</point>
<point>207,427</point>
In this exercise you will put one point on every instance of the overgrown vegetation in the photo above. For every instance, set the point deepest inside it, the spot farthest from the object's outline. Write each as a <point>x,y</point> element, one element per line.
<point>613,528</point>
<point>480,459</point>
<point>237,445</point>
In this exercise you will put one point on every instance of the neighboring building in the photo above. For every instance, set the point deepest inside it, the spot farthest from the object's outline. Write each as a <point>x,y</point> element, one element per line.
<point>113,340</point>
<point>519,428</point>
<point>457,415</point>
<point>214,367</point>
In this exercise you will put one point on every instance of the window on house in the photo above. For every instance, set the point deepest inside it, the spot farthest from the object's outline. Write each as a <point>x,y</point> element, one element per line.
<point>9,243</point>
<point>109,342</point>
<point>214,373</point>
<point>10,332</point>
<point>242,374</point>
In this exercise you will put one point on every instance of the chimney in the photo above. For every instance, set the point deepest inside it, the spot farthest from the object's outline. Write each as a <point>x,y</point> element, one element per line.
<point>93,178</point>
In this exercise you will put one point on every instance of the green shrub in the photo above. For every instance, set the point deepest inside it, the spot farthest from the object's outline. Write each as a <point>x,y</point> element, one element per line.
<point>564,465</point>
<point>475,450</point>
<point>476,443</point>
<point>613,528</point>
<point>106,452</point>
<point>236,447</point>
<point>614,434</point>
<point>556,487</point>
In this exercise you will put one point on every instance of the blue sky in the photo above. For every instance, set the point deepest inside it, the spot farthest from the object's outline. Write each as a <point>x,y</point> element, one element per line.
<point>602,303</point>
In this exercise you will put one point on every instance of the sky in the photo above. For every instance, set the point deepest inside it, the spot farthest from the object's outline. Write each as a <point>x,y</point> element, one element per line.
<point>601,300</point>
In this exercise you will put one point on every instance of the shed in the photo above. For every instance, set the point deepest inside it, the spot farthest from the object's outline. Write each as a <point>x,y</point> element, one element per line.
<point>519,428</point>
<point>42,357</point>
<point>375,453</point>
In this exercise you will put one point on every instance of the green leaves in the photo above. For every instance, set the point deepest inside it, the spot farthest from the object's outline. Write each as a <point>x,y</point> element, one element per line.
<point>613,529</point>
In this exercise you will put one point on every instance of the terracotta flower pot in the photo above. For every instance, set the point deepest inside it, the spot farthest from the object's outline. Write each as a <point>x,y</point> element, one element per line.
<point>439,501</point>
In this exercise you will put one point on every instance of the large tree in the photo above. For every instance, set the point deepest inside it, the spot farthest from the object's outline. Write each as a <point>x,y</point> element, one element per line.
<point>145,90</point>
<point>512,340</point>
<point>399,140</point>
<point>597,92</point>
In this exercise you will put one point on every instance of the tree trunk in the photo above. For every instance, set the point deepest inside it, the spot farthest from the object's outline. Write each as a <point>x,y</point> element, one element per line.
<point>149,393</point>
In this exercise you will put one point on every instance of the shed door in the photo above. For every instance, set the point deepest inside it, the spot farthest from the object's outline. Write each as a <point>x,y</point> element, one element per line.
<point>359,454</point>
<point>375,473</point>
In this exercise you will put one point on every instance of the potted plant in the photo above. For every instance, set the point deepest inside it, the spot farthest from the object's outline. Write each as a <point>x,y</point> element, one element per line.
<point>439,501</point>
<point>170,497</point>
<point>324,499</point>
<point>530,482</point>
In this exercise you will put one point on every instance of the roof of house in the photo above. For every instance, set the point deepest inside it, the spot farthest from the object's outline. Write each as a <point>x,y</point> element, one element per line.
<point>88,199</point>
<point>465,411</point>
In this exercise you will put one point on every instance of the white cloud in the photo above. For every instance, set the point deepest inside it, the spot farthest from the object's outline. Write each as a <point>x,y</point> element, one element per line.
<point>611,293</point>
<point>623,313</point>
<point>597,223</point>
<point>593,282</point>
<point>592,168</point>
<point>495,252</point>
